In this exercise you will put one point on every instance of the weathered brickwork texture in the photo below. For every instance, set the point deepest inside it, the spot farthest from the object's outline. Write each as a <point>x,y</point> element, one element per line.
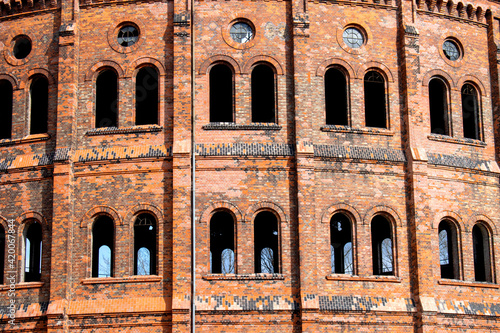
<point>298,167</point>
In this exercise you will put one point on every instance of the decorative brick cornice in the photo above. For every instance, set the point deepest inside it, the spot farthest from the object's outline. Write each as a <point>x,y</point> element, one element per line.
<point>245,149</point>
<point>359,153</point>
<point>233,126</point>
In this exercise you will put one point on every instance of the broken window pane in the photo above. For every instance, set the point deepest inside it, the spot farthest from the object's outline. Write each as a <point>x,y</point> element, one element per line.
<point>222,243</point>
<point>266,237</point>
<point>145,245</point>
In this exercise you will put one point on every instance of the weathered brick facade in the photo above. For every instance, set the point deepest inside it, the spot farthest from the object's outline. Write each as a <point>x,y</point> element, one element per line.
<point>298,167</point>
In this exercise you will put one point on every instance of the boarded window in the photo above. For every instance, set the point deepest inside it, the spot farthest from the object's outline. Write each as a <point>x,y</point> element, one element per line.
<point>263,94</point>
<point>221,93</point>
<point>39,104</point>
<point>438,104</point>
<point>222,243</point>
<point>145,245</point>
<point>5,109</point>
<point>336,98</point>
<point>375,100</point>
<point>382,246</point>
<point>482,261</point>
<point>33,252</point>
<point>470,112</point>
<point>266,237</point>
<point>106,108</point>
<point>341,244</point>
<point>103,247</point>
<point>448,250</point>
<point>146,96</point>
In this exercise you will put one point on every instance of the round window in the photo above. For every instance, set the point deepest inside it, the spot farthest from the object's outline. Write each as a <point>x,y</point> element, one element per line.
<point>353,37</point>
<point>128,35</point>
<point>241,32</point>
<point>451,50</point>
<point>22,47</point>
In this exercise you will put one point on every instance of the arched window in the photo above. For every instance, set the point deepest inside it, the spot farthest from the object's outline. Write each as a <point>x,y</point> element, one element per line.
<point>222,243</point>
<point>481,248</point>
<point>2,253</point>
<point>146,96</point>
<point>266,237</point>
<point>438,104</point>
<point>145,245</point>
<point>39,104</point>
<point>375,100</point>
<point>263,94</point>
<point>5,109</point>
<point>341,244</point>
<point>470,112</point>
<point>448,250</point>
<point>103,247</point>
<point>33,252</point>
<point>382,246</point>
<point>106,95</point>
<point>336,98</point>
<point>221,94</point>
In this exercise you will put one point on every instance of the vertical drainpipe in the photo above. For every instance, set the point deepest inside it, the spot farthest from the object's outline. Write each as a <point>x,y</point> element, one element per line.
<point>193,178</point>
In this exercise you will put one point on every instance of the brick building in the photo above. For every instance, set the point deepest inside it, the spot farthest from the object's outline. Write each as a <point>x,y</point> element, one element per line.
<point>346,165</point>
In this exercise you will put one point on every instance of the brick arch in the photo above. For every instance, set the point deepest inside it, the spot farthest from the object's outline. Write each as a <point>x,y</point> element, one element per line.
<point>339,208</point>
<point>247,68</point>
<point>143,208</point>
<point>478,218</point>
<point>31,215</point>
<point>220,205</point>
<point>138,63</point>
<point>387,211</point>
<point>475,81</point>
<point>36,71</point>
<point>87,218</point>
<point>93,71</point>
<point>325,65</point>
<point>437,72</point>
<point>219,58</point>
<point>375,65</point>
<point>446,214</point>
<point>265,205</point>
<point>13,81</point>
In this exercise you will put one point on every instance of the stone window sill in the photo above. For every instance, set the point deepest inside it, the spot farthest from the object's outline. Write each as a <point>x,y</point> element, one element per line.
<point>372,278</point>
<point>474,284</point>
<point>234,126</point>
<point>127,279</point>
<point>348,129</point>
<point>27,139</point>
<point>23,285</point>
<point>462,141</point>
<point>124,130</point>
<point>256,276</point>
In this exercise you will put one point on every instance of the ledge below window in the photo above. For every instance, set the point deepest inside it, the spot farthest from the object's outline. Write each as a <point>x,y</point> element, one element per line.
<point>233,126</point>
<point>347,129</point>
<point>124,130</point>
<point>448,282</point>
<point>27,139</point>
<point>127,279</point>
<point>23,285</point>
<point>463,141</point>
<point>256,276</point>
<point>372,278</point>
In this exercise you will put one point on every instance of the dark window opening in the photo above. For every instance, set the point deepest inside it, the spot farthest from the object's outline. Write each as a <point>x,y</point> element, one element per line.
<point>266,238</point>
<point>39,106</point>
<point>448,251</point>
<point>5,109</point>
<point>106,108</point>
<point>382,247</point>
<point>103,247</point>
<point>221,94</point>
<point>336,101</point>
<point>145,245</point>
<point>341,245</point>
<point>263,95</point>
<point>438,105</point>
<point>2,253</point>
<point>481,248</point>
<point>222,244</point>
<point>22,47</point>
<point>470,112</point>
<point>146,96</point>
<point>33,252</point>
<point>375,100</point>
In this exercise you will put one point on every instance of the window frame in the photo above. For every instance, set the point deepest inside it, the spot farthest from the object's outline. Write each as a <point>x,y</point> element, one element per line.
<point>454,234</point>
<point>234,240</point>
<point>94,257</point>
<point>278,245</point>
<point>345,74</point>
<point>478,113</point>
<point>153,257</point>
<point>275,92</point>
<point>233,91</point>
<point>386,98</point>
<point>350,220</point>
<point>138,70</point>
<point>447,101</point>
<point>378,247</point>
<point>99,72</point>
